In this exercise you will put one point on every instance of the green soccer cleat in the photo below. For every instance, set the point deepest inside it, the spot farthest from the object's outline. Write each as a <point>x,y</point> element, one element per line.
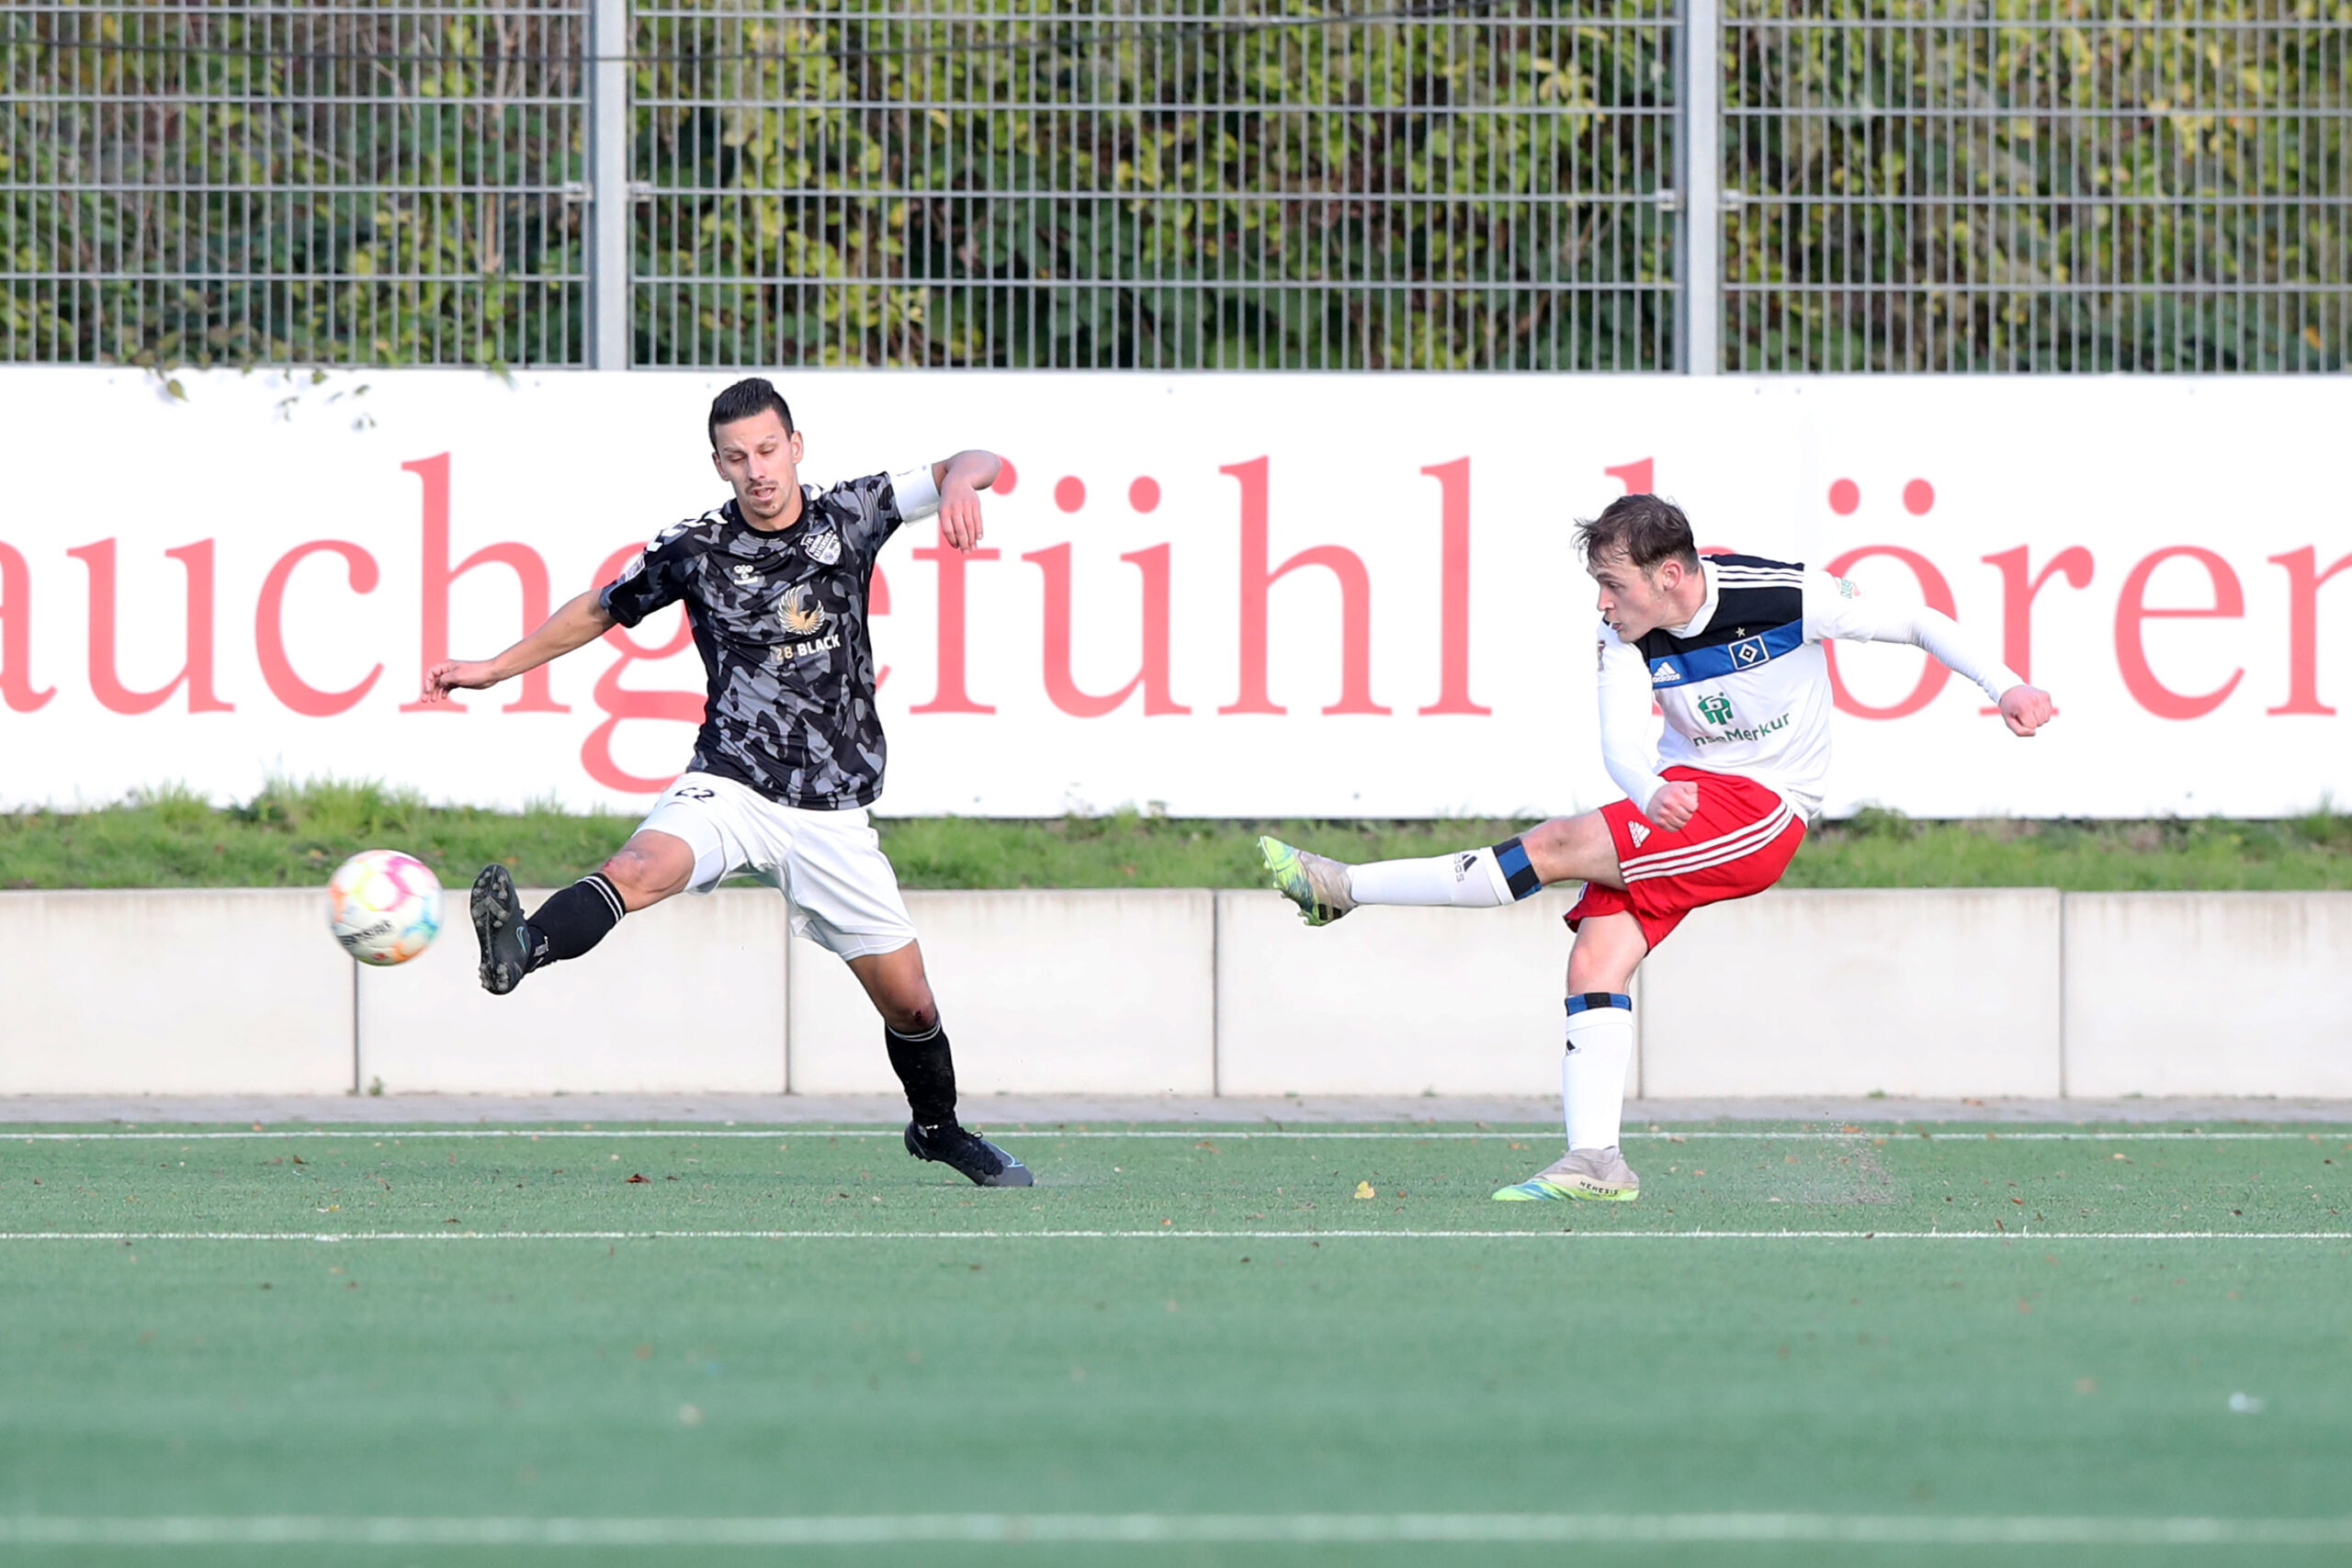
<point>1317,884</point>
<point>1599,1175</point>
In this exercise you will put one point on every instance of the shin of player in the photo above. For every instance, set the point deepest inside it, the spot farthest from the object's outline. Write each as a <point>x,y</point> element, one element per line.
<point>1730,651</point>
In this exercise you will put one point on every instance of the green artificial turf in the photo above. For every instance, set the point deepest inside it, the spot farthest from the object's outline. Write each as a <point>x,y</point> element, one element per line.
<point>294,835</point>
<point>1587,1359</point>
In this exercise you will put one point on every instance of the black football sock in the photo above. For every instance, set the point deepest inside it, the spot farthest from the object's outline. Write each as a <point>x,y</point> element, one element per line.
<point>572,920</point>
<point>927,1069</point>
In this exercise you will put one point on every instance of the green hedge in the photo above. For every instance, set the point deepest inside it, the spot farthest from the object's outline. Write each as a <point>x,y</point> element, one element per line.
<point>292,836</point>
<point>2105,186</point>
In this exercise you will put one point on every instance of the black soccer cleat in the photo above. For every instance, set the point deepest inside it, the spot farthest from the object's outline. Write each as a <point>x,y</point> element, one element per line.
<point>953,1144</point>
<point>498,926</point>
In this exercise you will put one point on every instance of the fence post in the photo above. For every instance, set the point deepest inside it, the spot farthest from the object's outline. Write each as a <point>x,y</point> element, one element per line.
<point>1699,177</point>
<point>608,258</point>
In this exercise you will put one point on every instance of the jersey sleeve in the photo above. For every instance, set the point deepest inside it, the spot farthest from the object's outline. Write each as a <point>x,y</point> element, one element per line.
<point>1625,749</point>
<point>1835,607</point>
<point>656,576</point>
<point>885,501</point>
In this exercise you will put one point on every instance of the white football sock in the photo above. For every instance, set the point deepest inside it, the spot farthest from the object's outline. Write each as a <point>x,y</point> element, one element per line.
<point>1592,1073</point>
<point>1470,879</point>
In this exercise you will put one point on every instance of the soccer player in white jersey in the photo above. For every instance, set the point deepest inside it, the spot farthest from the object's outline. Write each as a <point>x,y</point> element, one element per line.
<point>790,755</point>
<point>1729,647</point>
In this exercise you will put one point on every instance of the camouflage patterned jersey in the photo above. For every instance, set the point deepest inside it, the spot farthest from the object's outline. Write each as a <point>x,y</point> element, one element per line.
<point>779,619</point>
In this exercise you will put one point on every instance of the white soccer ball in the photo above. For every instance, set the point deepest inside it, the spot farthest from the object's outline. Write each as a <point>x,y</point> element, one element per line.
<point>384,906</point>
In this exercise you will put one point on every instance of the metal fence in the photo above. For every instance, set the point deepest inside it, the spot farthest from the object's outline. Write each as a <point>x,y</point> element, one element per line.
<point>340,183</point>
<point>2130,185</point>
<point>1162,186</point>
<point>1544,185</point>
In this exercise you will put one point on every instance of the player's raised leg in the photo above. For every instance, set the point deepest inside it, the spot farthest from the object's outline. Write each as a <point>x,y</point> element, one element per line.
<point>1566,849</point>
<point>1609,947</point>
<point>895,982</point>
<point>651,867</point>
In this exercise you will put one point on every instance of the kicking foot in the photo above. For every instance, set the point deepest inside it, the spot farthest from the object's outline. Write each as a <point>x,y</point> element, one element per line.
<point>953,1146</point>
<point>1600,1174</point>
<point>1317,884</point>
<point>498,926</point>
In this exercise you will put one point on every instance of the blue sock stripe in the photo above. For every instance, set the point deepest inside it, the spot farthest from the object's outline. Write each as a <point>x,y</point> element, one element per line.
<point>1591,1000</point>
<point>1511,855</point>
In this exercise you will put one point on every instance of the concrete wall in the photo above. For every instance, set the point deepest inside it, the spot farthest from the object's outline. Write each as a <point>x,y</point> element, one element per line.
<point>690,999</point>
<point>1949,993</point>
<point>1089,991</point>
<point>2208,993</point>
<point>173,992</point>
<point>1391,1001</point>
<point>1931,992</point>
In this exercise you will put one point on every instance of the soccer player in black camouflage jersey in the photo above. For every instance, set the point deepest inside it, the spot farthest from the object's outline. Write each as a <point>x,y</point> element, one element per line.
<point>790,752</point>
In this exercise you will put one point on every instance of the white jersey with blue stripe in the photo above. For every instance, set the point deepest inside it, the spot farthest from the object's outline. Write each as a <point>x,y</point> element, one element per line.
<point>1744,683</point>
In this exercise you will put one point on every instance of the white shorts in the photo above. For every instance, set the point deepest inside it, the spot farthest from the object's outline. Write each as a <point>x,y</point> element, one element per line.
<point>829,864</point>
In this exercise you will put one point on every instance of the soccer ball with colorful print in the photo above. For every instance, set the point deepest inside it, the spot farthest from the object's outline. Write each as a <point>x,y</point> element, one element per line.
<point>384,906</point>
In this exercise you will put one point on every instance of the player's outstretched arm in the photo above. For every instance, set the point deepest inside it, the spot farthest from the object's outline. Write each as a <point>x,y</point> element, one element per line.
<point>960,480</point>
<point>1835,607</point>
<point>575,624</point>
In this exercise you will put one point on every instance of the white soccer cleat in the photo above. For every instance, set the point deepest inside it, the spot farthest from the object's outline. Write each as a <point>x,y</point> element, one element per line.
<point>1599,1175</point>
<point>1317,884</point>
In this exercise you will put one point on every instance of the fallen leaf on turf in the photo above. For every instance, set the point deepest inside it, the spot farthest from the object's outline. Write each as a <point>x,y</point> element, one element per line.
<point>1363,1189</point>
<point>634,1177</point>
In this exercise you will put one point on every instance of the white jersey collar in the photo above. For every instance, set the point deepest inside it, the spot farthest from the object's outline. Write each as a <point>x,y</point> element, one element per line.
<point>1698,623</point>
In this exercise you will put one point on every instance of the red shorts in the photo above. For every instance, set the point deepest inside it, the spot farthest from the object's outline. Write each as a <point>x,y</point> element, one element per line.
<point>1737,844</point>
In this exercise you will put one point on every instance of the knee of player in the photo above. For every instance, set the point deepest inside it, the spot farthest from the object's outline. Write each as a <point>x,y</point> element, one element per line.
<point>1551,848</point>
<point>634,873</point>
<point>918,1018</point>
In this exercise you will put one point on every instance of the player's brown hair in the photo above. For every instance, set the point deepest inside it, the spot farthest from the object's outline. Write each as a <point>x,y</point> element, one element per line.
<point>753,395</point>
<point>1647,530</point>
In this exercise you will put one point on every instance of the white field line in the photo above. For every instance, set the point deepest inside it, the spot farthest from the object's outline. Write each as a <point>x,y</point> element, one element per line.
<point>693,1133</point>
<point>1107,1529</point>
<point>1171,1234</point>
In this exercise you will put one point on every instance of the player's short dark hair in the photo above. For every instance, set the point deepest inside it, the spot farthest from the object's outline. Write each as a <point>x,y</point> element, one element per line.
<point>746,398</point>
<point>1647,530</point>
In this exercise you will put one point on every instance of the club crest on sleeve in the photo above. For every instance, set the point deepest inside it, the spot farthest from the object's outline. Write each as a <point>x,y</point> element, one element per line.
<point>824,548</point>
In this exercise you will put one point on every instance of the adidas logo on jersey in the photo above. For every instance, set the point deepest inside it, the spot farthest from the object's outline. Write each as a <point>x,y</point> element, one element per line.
<point>1664,673</point>
<point>1639,833</point>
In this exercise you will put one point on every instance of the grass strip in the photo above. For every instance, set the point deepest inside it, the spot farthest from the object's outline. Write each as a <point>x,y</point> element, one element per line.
<point>294,835</point>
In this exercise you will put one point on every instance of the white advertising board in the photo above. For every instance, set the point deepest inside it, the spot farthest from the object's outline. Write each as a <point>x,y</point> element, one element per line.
<point>1209,594</point>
